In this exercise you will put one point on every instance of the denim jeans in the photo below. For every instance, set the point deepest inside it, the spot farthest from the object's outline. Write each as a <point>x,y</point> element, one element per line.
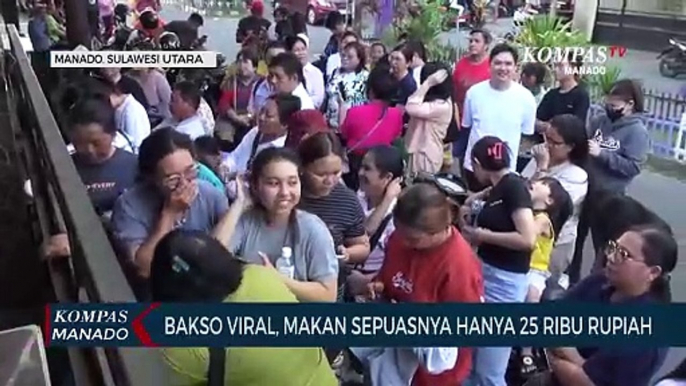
<point>490,363</point>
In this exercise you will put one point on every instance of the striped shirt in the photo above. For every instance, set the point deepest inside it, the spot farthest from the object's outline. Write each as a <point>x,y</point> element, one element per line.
<point>341,212</point>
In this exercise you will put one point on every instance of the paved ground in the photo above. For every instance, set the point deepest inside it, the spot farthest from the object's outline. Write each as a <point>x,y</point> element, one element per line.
<point>665,195</point>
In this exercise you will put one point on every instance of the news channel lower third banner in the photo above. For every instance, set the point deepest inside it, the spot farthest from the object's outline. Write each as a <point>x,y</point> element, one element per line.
<point>133,59</point>
<point>364,325</point>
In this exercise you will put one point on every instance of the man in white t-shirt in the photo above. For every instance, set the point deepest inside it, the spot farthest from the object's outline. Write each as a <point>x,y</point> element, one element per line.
<point>498,107</point>
<point>286,75</point>
<point>185,102</point>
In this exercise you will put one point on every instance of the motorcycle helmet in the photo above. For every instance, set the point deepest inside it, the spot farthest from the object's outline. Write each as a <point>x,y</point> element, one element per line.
<point>144,45</point>
<point>169,41</point>
<point>149,19</point>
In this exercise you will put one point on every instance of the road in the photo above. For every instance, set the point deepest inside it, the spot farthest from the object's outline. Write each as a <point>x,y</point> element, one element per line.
<point>665,195</point>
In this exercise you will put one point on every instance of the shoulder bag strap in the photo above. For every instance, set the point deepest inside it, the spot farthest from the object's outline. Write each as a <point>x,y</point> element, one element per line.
<point>217,367</point>
<point>376,237</point>
<point>235,93</point>
<point>255,145</point>
<point>256,86</point>
<point>370,132</point>
<point>128,141</point>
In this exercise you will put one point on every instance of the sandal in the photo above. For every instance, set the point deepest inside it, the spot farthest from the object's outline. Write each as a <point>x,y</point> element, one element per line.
<point>528,365</point>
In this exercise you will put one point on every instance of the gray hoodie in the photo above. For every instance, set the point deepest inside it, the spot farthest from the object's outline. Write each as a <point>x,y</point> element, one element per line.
<point>624,149</point>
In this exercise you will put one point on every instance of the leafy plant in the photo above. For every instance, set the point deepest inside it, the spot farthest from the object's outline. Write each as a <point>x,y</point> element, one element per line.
<point>425,22</point>
<point>600,85</point>
<point>548,31</point>
<point>480,11</point>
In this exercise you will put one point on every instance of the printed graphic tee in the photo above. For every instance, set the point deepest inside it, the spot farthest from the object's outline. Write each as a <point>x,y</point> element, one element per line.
<point>106,181</point>
<point>448,273</point>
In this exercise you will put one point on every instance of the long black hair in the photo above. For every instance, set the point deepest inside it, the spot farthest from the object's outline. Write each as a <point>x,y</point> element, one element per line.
<point>492,153</point>
<point>192,266</point>
<point>660,250</point>
<point>443,91</point>
<point>629,91</point>
<point>573,132</point>
<point>159,144</point>
<point>561,208</point>
<point>387,160</point>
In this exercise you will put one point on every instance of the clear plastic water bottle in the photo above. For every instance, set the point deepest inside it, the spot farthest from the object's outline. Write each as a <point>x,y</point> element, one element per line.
<point>285,263</point>
<point>477,206</point>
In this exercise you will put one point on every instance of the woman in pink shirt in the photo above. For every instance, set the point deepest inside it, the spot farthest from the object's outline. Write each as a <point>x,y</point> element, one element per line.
<point>372,124</point>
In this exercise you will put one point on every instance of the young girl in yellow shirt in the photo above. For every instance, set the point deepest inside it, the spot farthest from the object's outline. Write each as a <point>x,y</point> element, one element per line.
<point>552,207</point>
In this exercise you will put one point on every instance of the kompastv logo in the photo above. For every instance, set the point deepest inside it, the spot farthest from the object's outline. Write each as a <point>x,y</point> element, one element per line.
<point>591,60</point>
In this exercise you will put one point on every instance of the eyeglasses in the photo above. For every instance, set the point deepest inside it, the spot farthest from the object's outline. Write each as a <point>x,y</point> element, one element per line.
<point>616,253</point>
<point>173,181</point>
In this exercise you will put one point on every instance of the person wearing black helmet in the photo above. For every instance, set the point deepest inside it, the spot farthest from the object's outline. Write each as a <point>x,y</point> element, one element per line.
<point>169,41</point>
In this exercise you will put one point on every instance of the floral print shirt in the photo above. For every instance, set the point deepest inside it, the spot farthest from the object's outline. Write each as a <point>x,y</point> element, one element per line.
<point>354,85</point>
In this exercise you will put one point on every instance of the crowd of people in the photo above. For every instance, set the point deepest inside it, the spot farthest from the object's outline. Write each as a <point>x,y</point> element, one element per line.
<point>334,162</point>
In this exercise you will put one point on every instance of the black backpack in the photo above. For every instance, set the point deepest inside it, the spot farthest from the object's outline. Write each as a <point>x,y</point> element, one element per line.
<point>453,129</point>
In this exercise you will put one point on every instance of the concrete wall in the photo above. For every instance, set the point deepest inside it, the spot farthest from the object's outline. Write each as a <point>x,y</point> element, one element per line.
<point>664,7</point>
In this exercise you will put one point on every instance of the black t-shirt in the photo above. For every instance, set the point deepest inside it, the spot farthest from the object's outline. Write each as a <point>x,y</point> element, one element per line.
<point>128,85</point>
<point>184,30</point>
<point>106,181</point>
<point>406,87</point>
<point>509,195</point>
<point>575,101</point>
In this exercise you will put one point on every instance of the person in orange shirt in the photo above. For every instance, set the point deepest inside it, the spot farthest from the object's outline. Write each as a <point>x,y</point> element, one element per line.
<point>428,261</point>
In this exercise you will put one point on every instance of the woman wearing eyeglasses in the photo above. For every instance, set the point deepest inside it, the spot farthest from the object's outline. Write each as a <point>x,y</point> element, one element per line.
<point>639,263</point>
<point>563,156</point>
<point>167,196</point>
